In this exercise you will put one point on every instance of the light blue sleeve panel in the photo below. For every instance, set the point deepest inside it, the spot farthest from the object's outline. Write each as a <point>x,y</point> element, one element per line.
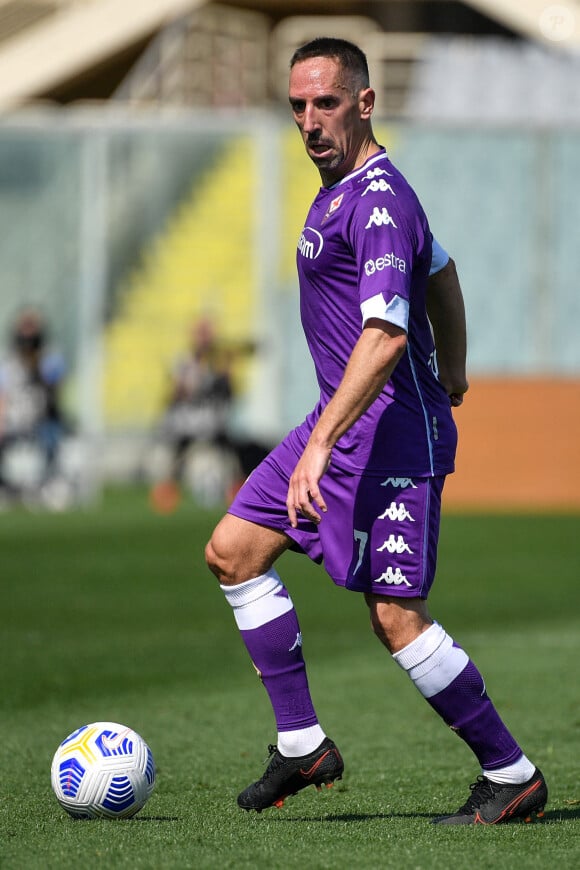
<point>396,311</point>
<point>439,257</point>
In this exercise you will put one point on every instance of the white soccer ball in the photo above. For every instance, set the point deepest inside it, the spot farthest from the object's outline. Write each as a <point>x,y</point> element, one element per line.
<point>104,770</point>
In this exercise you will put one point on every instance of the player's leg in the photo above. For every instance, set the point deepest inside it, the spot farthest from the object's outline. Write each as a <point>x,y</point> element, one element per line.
<point>446,677</point>
<point>442,671</point>
<point>510,786</point>
<point>241,553</point>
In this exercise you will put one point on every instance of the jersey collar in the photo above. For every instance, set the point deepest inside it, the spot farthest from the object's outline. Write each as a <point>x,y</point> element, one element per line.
<point>370,162</point>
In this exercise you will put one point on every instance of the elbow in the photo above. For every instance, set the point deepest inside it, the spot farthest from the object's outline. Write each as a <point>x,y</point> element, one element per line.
<point>399,346</point>
<point>393,352</point>
<point>386,343</point>
<point>449,270</point>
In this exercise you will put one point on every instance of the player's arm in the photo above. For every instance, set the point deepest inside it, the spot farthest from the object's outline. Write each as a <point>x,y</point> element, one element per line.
<point>446,311</point>
<point>370,366</point>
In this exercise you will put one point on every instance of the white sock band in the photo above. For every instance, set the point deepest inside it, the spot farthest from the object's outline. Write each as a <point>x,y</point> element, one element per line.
<point>293,744</point>
<point>258,601</point>
<point>432,661</point>
<point>516,773</point>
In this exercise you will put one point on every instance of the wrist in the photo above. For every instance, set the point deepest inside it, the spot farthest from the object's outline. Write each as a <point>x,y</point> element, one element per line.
<point>320,441</point>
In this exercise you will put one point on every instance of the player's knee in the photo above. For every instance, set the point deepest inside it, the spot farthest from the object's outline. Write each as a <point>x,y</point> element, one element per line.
<point>211,559</point>
<point>217,558</point>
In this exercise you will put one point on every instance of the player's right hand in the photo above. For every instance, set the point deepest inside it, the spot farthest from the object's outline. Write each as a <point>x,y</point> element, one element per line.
<point>304,494</point>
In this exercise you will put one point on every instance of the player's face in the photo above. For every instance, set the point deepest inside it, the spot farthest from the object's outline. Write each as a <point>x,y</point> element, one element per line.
<point>332,119</point>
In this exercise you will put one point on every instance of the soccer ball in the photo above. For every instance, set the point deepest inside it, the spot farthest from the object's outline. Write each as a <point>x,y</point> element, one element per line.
<point>104,770</point>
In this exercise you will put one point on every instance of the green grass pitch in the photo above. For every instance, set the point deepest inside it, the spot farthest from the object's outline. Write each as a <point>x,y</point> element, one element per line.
<point>110,614</point>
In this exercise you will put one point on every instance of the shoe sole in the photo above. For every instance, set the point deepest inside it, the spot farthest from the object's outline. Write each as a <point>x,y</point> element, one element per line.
<point>533,816</point>
<point>326,781</point>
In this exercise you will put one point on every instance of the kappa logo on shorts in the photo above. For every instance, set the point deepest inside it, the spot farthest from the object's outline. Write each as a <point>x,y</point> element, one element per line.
<point>395,545</point>
<point>393,578</point>
<point>399,482</point>
<point>396,512</point>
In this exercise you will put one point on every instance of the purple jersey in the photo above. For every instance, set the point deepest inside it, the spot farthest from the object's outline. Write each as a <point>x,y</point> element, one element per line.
<point>365,252</point>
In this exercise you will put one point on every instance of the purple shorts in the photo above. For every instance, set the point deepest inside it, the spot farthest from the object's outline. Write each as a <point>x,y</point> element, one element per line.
<point>379,534</point>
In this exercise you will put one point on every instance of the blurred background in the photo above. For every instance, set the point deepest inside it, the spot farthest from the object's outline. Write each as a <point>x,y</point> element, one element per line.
<point>152,192</point>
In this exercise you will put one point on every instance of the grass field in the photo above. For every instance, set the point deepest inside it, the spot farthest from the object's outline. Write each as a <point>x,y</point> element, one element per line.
<point>110,614</point>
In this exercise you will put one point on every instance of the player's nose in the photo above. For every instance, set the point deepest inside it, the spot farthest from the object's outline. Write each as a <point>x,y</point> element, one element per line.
<point>310,122</point>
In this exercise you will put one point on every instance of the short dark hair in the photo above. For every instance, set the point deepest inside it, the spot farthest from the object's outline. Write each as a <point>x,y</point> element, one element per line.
<point>350,57</point>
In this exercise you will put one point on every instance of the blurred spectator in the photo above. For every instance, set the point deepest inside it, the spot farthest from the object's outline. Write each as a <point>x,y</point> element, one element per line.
<point>198,412</point>
<point>197,408</point>
<point>200,396</point>
<point>31,377</point>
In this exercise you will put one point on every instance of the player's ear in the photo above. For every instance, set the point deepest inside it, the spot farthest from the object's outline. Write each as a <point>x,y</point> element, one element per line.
<point>366,102</point>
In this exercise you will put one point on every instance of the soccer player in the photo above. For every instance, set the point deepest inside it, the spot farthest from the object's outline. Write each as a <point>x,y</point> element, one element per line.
<point>358,484</point>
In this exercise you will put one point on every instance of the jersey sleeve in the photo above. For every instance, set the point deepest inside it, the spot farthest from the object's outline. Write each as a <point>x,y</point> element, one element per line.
<point>387,237</point>
<point>439,257</point>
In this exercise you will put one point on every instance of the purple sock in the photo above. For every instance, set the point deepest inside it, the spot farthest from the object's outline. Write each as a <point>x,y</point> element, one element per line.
<point>269,628</point>
<point>466,707</point>
<point>453,686</point>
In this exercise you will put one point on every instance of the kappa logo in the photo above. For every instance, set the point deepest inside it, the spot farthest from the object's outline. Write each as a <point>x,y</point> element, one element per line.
<point>399,482</point>
<point>395,545</point>
<point>393,578</point>
<point>380,217</point>
<point>310,243</point>
<point>375,173</point>
<point>297,643</point>
<point>374,186</point>
<point>396,512</point>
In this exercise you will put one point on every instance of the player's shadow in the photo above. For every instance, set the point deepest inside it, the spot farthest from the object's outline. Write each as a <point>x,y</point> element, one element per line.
<point>563,815</point>
<point>355,817</point>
